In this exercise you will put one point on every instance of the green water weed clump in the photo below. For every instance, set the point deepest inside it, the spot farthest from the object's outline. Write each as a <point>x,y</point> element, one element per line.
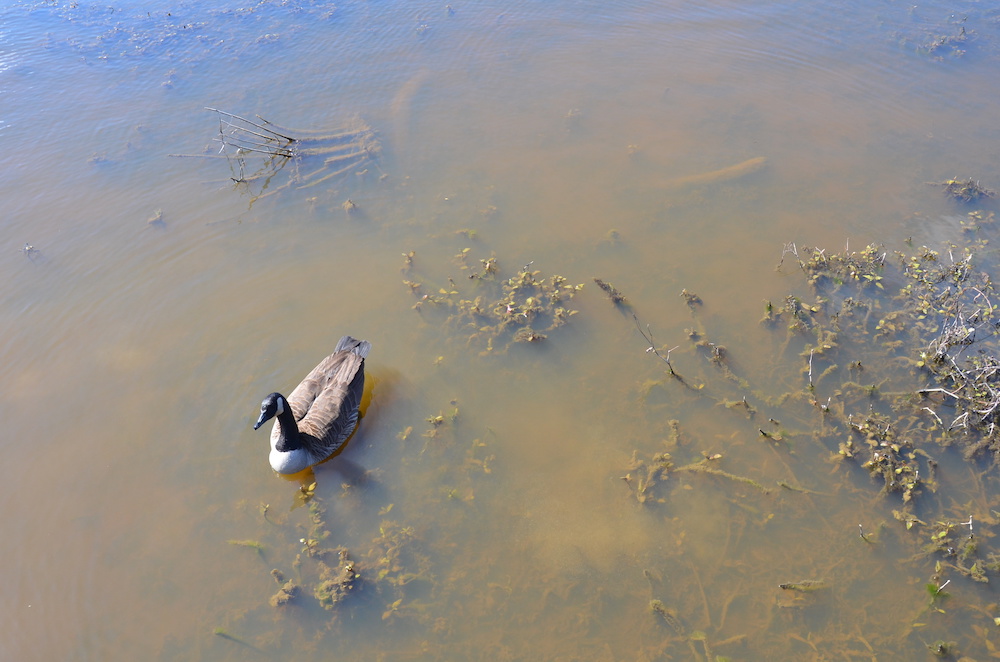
<point>492,310</point>
<point>335,582</point>
<point>896,354</point>
<point>966,190</point>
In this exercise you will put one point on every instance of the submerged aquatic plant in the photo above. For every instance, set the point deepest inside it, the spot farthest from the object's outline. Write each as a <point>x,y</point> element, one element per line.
<point>616,296</point>
<point>329,582</point>
<point>288,591</point>
<point>497,311</point>
<point>335,582</point>
<point>895,359</point>
<point>644,474</point>
<point>251,544</point>
<point>966,190</point>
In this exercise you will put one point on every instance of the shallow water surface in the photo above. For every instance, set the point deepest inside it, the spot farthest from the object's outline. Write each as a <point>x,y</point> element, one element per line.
<point>494,499</point>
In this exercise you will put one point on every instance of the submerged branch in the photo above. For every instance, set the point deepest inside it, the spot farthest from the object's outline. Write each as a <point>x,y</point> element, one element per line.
<point>251,123</point>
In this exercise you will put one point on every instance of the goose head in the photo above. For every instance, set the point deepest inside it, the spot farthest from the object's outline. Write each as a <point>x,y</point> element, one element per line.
<point>271,406</point>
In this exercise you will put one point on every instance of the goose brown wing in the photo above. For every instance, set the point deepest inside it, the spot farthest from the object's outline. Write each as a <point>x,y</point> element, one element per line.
<point>323,375</point>
<point>334,407</point>
<point>302,398</point>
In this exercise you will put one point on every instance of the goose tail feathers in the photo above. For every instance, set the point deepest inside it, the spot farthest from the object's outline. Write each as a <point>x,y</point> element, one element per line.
<point>359,347</point>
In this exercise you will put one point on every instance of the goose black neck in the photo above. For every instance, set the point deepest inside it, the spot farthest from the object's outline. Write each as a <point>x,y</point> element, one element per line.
<point>289,438</point>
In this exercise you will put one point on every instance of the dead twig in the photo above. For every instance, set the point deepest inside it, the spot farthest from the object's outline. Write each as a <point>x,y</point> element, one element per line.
<point>648,337</point>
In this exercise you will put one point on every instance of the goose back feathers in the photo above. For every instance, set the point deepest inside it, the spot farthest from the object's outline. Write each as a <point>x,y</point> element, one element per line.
<point>321,412</point>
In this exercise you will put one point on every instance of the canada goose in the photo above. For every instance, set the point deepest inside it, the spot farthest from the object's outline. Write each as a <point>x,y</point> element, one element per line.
<point>320,414</point>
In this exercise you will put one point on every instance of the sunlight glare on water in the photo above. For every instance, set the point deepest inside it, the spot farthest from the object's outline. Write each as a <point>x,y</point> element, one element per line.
<point>496,498</point>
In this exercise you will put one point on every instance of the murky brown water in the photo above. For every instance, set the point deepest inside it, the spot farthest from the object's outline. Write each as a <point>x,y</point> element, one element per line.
<point>135,353</point>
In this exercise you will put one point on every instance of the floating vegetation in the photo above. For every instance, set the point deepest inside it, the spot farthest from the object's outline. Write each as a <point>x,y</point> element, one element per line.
<point>894,366</point>
<point>335,582</point>
<point>401,569</point>
<point>691,299</point>
<point>976,220</point>
<point>496,310</point>
<point>703,466</point>
<point>307,492</point>
<point>957,543</point>
<point>612,291</point>
<point>951,45</point>
<point>930,311</point>
<point>669,617</point>
<point>285,594</point>
<point>966,190</point>
<point>942,648</point>
<point>954,44</point>
<point>329,582</point>
<point>882,367</point>
<point>940,40</point>
<point>806,586</point>
<point>795,488</point>
<point>435,423</point>
<point>288,591</point>
<point>643,475</point>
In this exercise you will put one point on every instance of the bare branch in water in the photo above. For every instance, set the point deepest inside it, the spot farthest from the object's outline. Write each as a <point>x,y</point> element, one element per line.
<point>251,123</point>
<point>648,337</point>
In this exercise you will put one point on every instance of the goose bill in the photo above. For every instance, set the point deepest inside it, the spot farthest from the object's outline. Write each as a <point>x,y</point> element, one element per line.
<point>264,416</point>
